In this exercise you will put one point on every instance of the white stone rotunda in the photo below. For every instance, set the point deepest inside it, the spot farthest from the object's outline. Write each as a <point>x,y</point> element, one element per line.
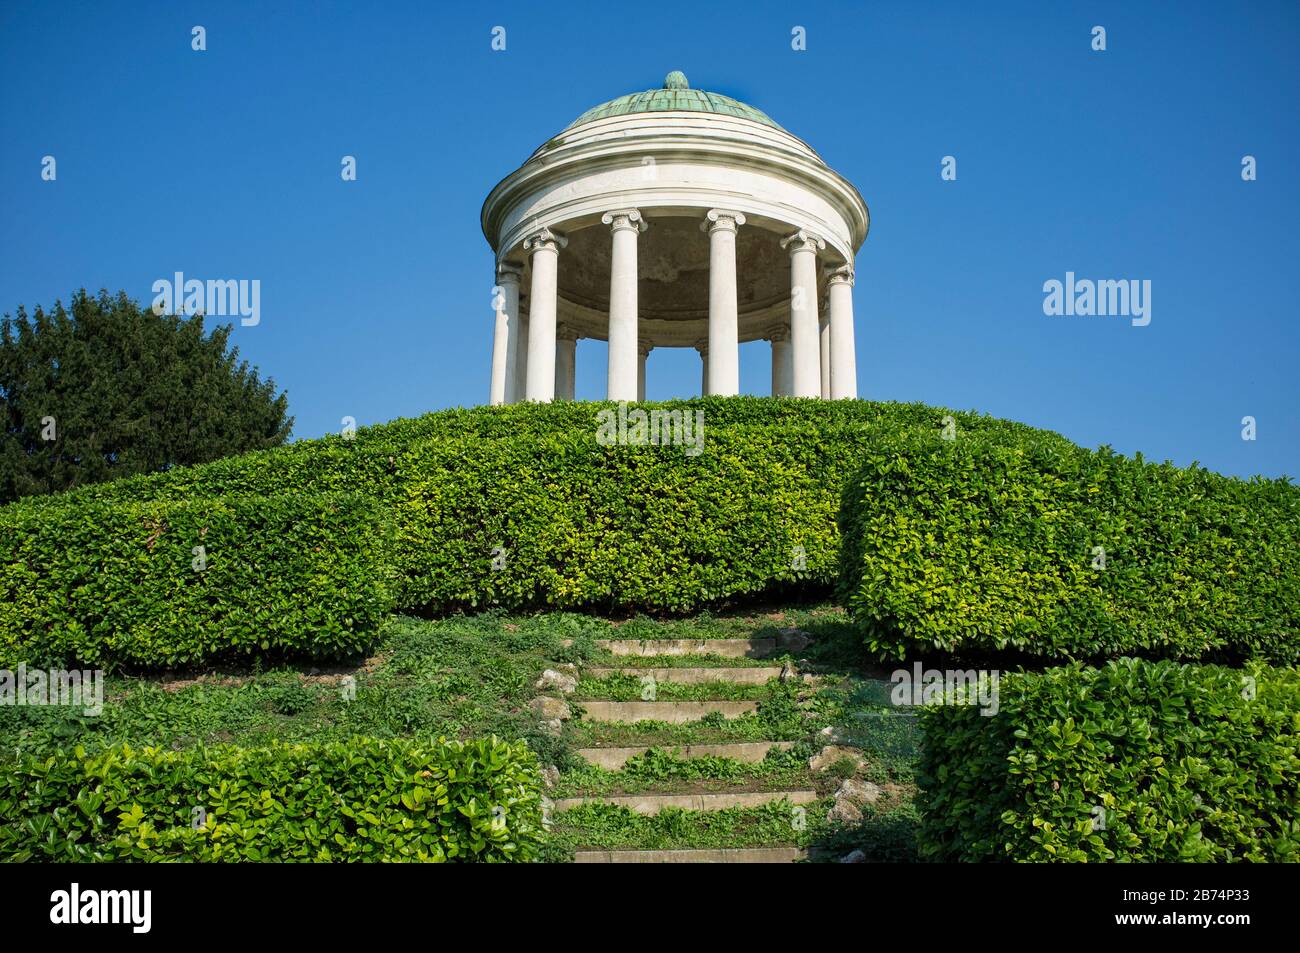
<point>674,218</point>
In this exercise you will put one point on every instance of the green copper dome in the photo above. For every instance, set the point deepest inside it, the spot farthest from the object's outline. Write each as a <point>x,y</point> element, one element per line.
<point>676,95</point>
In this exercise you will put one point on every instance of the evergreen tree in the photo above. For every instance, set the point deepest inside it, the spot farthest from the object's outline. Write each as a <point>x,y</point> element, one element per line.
<point>107,389</point>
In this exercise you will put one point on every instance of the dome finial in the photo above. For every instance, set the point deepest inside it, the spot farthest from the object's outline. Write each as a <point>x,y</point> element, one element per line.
<point>676,80</point>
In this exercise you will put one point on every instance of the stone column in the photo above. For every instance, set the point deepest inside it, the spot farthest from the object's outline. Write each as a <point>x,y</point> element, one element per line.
<point>544,246</point>
<point>805,346</point>
<point>781,367</point>
<point>505,349</point>
<point>703,348</point>
<point>722,368</point>
<point>844,358</point>
<point>566,357</point>
<point>824,360</point>
<point>642,352</point>
<point>625,224</point>
<point>500,340</point>
<point>521,364</point>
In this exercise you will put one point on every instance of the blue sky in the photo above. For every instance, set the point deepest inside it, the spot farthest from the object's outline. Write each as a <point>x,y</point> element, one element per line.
<point>376,294</point>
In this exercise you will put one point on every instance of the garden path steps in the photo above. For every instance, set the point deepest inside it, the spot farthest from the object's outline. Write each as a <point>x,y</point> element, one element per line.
<point>681,713</point>
<point>728,855</point>
<point>750,752</point>
<point>726,648</point>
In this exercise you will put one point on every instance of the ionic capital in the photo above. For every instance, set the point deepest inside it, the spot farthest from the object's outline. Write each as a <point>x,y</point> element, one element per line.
<point>803,240</point>
<point>644,348</point>
<point>565,333</point>
<point>544,239</point>
<point>779,333</point>
<point>842,273</point>
<point>509,272</point>
<point>720,219</point>
<point>624,218</point>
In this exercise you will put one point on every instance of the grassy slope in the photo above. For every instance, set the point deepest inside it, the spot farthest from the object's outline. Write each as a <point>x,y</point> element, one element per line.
<point>473,675</point>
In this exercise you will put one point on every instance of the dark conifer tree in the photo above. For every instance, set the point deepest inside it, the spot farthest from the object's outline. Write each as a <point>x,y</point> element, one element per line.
<point>107,389</point>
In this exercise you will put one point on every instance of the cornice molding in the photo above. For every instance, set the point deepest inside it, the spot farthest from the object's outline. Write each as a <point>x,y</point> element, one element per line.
<point>664,141</point>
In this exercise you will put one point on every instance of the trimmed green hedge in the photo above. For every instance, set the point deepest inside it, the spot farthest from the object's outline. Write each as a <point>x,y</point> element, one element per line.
<point>1135,761</point>
<point>992,541</point>
<point>101,583</point>
<point>521,506</point>
<point>359,800</point>
<point>580,525</point>
<point>371,462</point>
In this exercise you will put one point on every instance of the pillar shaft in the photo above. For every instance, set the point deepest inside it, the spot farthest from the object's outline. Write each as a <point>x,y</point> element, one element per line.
<point>722,359</point>
<point>642,352</point>
<point>782,370</point>
<point>505,348</point>
<point>805,343</point>
<point>545,248</point>
<point>622,383</point>
<point>521,362</point>
<point>566,354</point>
<point>500,341</point>
<point>844,359</point>
<point>824,358</point>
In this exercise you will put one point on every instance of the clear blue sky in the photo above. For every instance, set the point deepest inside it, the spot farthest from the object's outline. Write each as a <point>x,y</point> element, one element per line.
<point>376,294</point>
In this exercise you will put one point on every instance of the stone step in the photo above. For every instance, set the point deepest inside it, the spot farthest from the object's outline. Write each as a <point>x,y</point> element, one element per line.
<point>758,675</point>
<point>722,855</point>
<point>674,712</point>
<point>654,803</point>
<point>748,751</point>
<point>727,648</point>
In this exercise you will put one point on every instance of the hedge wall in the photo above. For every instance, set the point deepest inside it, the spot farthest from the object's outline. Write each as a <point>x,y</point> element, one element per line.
<point>1135,761</point>
<point>102,583</point>
<point>521,506</point>
<point>360,800</point>
<point>370,462</point>
<point>991,542</point>
<point>579,525</point>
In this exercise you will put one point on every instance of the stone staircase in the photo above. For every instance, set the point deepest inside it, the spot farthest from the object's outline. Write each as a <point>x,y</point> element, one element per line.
<point>748,752</point>
<point>715,668</point>
<point>728,855</point>
<point>673,713</point>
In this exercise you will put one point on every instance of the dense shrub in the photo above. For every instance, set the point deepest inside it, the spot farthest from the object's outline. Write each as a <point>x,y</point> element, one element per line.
<point>994,541</point>
<point>575,524</point>
<point>521,506</point>
<point>579,524</point>
<point>1187,762</point>
<point>359,800</point>
<point>369,462</point>
<point>105,583</point>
